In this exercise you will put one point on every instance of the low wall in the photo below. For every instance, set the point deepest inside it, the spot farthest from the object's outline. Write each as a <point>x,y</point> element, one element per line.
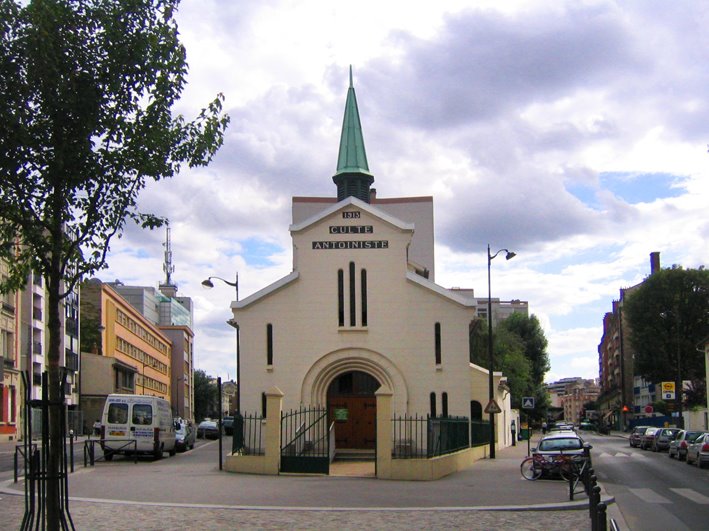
<point>435,467</point>
<point>248,464</point>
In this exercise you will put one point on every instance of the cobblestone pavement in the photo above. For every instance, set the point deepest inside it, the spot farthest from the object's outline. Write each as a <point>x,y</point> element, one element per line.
<point>126,516</point>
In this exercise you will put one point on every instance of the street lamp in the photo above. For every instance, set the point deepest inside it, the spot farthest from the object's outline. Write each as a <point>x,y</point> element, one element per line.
<point>231,322</point>
<point>491,396</point>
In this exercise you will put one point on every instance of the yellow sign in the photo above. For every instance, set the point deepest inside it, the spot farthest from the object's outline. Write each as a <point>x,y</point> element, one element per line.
<point>668,387</point>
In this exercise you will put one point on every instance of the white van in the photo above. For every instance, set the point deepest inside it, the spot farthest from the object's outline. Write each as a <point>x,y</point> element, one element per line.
<point>147,420</point>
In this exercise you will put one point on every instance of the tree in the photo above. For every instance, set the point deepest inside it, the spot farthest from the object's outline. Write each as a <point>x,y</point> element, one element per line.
<point>508,354</point>
<point>206,399</point>
<point>530,332</point>
<point>668,315</point>
<point>86,95</point>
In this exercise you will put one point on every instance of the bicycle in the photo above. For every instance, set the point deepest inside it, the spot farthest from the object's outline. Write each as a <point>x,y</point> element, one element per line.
<point>565,466</point>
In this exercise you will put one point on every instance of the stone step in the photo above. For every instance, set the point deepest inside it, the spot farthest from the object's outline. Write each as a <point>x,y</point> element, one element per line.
<point>355,455</point>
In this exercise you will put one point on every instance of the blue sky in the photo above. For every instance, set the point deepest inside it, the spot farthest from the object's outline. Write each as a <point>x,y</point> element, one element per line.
<point>574,133</point>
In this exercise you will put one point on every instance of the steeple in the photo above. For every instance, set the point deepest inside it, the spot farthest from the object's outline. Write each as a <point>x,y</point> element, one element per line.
<point>352,177</point>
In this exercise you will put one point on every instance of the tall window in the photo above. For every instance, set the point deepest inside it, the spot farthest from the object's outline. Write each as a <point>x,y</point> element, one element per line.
<point>433,404</point>
<point>263,405</point>
<point>340,297</point>
<point>444,404</point>
<point>363,277</point>
<point>353,312</point>
<point>269,344</point>
<point>437,341</point>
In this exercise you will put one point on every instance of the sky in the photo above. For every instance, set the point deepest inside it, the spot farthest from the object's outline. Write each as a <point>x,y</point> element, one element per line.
<point>572,133</point>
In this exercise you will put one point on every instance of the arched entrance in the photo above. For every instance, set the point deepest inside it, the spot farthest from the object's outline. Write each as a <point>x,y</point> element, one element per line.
<point>352,406</point>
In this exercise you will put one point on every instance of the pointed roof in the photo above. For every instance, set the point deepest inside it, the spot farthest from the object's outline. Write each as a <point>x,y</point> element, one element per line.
<point>352,177</point>
<point>352,157</point>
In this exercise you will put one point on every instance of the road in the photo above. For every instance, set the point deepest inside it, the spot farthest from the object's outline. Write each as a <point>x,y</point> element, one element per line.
<point>652,491</point>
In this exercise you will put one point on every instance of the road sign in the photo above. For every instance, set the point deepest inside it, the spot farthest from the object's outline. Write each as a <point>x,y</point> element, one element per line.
<point>528,402</point>
<point>668,390</point>
<point>492,407</point>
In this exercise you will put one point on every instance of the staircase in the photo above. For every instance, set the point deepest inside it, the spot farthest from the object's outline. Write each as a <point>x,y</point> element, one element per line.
<point>344,455</point>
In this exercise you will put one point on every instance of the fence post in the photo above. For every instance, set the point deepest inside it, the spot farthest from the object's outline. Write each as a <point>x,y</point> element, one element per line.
<point>274,407</point>
<point>384,432</point>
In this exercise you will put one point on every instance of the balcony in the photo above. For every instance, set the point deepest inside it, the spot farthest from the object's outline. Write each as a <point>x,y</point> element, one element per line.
<point>71,360</point>
<point>8,307</point>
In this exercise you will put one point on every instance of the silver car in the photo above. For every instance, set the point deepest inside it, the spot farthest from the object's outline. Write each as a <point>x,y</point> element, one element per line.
<point>698,451</point>
<point>663,438</point>
<point>185,434</point>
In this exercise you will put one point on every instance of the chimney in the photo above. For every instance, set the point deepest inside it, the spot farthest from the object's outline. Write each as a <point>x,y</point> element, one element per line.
<point>372,195</point>
<point>654,262</point>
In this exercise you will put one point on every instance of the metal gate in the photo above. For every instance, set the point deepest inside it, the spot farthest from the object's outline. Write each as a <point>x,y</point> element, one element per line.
<point>305,444</point>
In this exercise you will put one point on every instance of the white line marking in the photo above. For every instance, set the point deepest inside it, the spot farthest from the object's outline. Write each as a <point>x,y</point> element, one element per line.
<point>649,495</point>
<point>692,495</point>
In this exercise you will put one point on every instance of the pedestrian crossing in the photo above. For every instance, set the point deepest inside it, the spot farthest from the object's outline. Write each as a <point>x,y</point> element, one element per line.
<point>650,496</point>
<point>632,455</point>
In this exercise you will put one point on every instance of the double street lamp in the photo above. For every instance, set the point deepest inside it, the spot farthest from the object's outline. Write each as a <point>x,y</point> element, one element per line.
<point>231,322</point>
<point>509,255</point>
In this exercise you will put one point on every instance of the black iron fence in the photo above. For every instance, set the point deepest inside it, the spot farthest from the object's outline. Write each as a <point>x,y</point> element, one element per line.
<point>424,436</point>
<point>248,440</point>
<point>479,432</point>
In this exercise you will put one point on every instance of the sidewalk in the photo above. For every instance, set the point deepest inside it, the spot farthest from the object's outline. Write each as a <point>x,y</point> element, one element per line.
<point>490,495</point>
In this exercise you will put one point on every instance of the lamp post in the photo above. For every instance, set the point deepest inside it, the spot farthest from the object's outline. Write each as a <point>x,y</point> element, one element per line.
<point>491,394</point>
<point>231,322</point>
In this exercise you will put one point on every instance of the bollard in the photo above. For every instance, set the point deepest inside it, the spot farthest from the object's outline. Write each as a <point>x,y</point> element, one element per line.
<point>593,502</point>
<point>571,488</point>
<point>71,449</point>
<point>601,518</point>
<point>16,463</point>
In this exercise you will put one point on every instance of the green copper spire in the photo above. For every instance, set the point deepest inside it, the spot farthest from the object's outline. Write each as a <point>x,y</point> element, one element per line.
<point>352,177</point>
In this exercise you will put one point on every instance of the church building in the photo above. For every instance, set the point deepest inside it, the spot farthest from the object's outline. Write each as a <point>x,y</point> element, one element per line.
<point>361,311</point>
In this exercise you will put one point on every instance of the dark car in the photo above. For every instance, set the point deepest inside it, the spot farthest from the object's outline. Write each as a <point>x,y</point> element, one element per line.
<point>208,429</point>
<point>185,434</point>
<point>638,431</point>
<point>228,423</point>
<point>663,438</point>
<point>684,438</point>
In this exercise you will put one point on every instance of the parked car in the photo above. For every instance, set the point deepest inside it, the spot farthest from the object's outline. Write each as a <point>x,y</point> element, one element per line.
<point>208,429</point>
<point>561,443</point>
<point>648,438</point>
<point>678,447</point>
<point>228,423</point>
<point>698,451</point>
<point>635,435</point>
<point>663,438</point>
<point>185,434</point>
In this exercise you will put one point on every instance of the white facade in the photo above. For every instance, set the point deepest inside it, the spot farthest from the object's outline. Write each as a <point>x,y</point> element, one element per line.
<point>396,345</point>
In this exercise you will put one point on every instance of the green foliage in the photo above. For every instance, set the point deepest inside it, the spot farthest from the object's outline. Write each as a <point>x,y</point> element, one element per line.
<point>668,316</point>
<point>86,95</point>
<point>519,351</point>
<point>206,397</point>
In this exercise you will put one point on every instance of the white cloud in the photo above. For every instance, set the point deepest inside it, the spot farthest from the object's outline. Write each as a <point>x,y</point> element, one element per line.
<point>511,114</point>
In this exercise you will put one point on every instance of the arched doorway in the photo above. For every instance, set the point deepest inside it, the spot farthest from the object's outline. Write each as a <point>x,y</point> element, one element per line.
<point>352,406</point>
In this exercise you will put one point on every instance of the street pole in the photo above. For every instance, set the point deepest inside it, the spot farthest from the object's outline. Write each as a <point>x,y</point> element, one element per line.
<point>490,379</point>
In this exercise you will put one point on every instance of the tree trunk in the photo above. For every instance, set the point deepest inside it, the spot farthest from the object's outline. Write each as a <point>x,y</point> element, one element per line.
<point>53,501</point>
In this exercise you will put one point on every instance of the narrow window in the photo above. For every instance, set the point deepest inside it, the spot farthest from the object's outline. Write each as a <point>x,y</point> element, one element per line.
<point>269,344</point>
<point>444,404</point>
<point>263,405</point>
<point>433,404</point>
<point>353,313</point>
<point>364,296</point>
<point>340,297</point>
<point>437,333</point>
